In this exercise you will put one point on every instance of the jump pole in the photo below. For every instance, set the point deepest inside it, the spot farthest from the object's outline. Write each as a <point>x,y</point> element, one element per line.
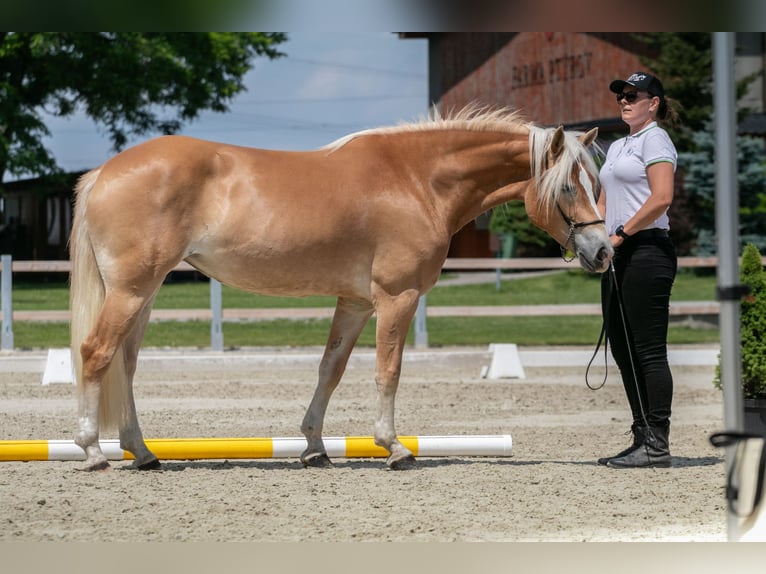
<point>250,448</point>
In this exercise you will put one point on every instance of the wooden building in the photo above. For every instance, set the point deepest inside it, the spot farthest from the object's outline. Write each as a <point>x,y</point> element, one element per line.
<point>37,217</point>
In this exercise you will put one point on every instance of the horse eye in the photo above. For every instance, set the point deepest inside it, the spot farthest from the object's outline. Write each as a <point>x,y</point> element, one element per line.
<point>570,190</point>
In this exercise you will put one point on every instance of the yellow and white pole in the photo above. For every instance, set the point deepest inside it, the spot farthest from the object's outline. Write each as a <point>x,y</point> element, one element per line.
<point>246,448</point>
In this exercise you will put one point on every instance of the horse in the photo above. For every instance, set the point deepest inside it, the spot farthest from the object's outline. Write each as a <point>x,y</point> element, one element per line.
<point>367,219</point>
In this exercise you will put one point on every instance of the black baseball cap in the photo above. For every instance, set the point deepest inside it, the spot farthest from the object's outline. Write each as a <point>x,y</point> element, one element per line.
<point>641,81</point>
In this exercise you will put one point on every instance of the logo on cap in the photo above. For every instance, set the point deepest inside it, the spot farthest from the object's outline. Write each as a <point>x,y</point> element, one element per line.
<point>636,78</point>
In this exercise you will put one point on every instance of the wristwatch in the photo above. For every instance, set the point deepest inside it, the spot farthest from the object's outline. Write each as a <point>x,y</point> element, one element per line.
<point>621,232</point>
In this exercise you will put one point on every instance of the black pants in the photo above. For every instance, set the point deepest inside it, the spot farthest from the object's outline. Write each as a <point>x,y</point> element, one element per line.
<point>645,268</point>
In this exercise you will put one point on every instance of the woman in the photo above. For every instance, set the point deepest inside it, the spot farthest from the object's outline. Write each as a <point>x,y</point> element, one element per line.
<point>637,190</point>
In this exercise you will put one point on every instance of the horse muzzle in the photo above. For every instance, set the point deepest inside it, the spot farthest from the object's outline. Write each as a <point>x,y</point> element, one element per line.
<point>594,256</point>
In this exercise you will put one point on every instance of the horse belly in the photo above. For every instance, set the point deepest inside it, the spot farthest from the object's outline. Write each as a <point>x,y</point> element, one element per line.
<point>288,274</point>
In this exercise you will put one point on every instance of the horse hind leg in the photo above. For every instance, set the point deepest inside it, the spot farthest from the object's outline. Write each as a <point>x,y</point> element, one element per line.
<point>103,391</point>
<point>131,438</point>
<point>348,321</point>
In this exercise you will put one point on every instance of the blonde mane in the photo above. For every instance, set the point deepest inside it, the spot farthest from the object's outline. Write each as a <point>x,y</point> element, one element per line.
<point>472,117</point>
<point>550,180</point>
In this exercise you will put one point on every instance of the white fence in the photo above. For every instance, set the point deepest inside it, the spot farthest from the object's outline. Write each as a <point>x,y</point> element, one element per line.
<point>217,315</point>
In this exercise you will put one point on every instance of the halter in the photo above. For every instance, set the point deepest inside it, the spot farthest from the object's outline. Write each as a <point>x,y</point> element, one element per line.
<point>573,226</point>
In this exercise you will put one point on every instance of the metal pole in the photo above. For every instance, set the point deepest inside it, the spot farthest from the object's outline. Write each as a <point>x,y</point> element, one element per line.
<point>727,223</point>
<point>6,344</point>
<point>421,330</point>
<point>216,308</point>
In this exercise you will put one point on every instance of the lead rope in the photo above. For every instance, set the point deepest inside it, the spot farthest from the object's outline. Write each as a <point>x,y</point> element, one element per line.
<point>603,337</point>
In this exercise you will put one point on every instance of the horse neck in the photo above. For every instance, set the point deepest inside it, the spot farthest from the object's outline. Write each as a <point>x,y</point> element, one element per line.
<point>476,171</point>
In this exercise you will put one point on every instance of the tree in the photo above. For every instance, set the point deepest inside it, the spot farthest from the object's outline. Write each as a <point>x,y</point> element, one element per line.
<point>753,316</point>
<point>511,219</point>
<point>753,326</point>
<point>699,181</point>
<point>684,63</point>
<point>131,83</point>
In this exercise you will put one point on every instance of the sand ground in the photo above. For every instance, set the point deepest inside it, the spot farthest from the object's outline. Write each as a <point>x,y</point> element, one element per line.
<point>550,489</point>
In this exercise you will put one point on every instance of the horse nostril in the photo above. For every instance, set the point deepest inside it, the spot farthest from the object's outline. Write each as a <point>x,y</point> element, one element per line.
<point>602,255</point>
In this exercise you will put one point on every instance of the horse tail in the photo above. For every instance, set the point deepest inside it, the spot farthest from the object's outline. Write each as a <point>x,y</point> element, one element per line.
<point>86,298</point>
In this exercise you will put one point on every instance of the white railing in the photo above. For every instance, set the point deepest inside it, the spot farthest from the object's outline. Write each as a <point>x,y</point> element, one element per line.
<point>217,315</point>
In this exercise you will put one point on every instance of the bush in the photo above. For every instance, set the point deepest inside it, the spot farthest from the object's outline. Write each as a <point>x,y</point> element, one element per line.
<point>752,326</point>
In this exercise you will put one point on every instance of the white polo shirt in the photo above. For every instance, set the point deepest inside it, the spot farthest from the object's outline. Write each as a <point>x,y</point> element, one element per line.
<point>623,175</point>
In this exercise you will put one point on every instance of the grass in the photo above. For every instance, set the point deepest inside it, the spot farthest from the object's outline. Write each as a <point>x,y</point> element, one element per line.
<point>573,286</point>
<point>566,287</point>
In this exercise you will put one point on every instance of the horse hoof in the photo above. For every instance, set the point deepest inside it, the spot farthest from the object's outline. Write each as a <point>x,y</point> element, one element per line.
<point>102,466</point>
<point>406,463</point>
<point>319,460</point>
<point>153,464</point>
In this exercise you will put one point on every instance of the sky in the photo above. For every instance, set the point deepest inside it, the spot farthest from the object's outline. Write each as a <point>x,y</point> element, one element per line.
<point>327,85</point>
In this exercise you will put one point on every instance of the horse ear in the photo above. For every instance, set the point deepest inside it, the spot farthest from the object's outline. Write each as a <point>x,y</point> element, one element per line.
<point>588,138</point>
<point>557,142</point>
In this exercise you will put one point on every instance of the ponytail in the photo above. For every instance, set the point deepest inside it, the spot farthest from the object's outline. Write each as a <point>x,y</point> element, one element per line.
<point>667,113</point>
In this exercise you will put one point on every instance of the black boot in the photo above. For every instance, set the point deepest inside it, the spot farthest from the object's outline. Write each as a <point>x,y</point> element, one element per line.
<point>655,452</point>
<point>638,440</point>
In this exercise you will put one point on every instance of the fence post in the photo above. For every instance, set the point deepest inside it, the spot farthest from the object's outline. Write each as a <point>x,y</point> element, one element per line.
<point>7,302</point>
<point>421,330</point>
<point>216,323</point>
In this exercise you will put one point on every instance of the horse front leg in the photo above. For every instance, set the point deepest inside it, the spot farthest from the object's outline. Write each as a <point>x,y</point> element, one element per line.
<point>132,439</point>
<point>348,321</point>
<point>394,316</point>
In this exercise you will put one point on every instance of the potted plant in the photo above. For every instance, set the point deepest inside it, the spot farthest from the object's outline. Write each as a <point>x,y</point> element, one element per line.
<point>753,341</point>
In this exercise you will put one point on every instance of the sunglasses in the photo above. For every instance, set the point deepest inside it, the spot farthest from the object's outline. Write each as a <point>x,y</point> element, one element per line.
<point>629,97</point>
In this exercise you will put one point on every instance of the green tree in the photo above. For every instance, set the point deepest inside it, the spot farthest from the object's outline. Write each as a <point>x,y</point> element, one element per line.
<point>700,181</point>
<point>753,319</point>
<point>130,83</point>
<point>512,219</point>
<point>753,326</point>
<point>684,63</point>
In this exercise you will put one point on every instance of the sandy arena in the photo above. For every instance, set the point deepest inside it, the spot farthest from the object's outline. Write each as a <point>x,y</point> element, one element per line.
<point>550,489</point>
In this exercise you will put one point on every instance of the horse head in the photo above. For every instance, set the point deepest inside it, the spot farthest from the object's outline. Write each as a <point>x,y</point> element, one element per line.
<point>561,196</point>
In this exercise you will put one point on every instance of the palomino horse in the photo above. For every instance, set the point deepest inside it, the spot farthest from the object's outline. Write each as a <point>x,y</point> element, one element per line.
<point>367,219</point>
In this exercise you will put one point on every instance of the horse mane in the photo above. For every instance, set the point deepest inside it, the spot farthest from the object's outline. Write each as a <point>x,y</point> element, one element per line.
<point>550,180</point>
<point>472,117</point>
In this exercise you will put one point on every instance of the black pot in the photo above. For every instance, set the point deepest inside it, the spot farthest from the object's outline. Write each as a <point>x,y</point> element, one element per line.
<point>755,416</point>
